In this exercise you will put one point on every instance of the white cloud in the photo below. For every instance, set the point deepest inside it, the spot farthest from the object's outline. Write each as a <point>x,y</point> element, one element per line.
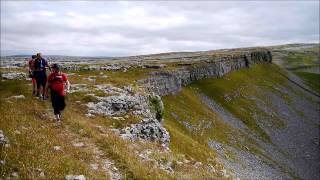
<point>129,28</point>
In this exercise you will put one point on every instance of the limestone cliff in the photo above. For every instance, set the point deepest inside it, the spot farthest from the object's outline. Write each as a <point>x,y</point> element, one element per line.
<point>166,82</point>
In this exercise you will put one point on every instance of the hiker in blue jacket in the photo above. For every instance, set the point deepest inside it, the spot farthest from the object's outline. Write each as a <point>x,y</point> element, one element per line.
<point>40,75</point>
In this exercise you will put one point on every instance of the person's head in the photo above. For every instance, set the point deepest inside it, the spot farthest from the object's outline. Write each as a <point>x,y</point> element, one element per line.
<point>55,68</point>
<point>33,56</point>
<point>38,55</point>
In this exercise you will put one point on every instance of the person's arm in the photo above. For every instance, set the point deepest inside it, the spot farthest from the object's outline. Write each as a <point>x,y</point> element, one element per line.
<point>47,85</point>
<point>28,65</point>
<point>47,64</point>
<point>46,89</point>
<point>67,85</point>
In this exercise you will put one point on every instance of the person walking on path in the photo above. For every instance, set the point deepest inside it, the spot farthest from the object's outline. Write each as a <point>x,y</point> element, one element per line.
<point>40,75</point>
<point>56,82</point>
<point>31,73</point>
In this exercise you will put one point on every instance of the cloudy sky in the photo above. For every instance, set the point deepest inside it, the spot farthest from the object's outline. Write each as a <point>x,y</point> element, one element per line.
<point>119,28</point>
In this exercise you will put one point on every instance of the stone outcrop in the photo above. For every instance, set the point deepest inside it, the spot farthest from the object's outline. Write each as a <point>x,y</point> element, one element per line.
<point>14,75</point>
<point>124,101</point>
<point>116,105</point>
<point>148,129</point>
<point>166,82</point>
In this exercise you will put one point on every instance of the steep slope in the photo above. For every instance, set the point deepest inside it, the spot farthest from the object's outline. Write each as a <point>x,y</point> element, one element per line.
<point>261,125</point>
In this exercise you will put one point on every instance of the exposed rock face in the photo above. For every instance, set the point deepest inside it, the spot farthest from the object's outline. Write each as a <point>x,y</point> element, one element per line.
<point>123,101</point>
<point>166,82</point>
<point>147,129</point>
<point>116,105</point>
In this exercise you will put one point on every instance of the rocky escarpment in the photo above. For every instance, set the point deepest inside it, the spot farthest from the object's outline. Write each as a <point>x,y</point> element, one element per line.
<point>125,101</point>
<point>166,82</point>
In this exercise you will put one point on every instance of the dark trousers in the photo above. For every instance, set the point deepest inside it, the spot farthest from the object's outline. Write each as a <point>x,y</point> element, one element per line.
<point>57,101</point>
<point>41,78</point>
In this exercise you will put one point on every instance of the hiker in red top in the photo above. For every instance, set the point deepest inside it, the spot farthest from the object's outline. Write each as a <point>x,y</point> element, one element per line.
<point>56,82</point>
<point>31,74</point>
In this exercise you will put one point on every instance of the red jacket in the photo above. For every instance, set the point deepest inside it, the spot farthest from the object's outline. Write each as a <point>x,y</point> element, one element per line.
<point>57,81</point>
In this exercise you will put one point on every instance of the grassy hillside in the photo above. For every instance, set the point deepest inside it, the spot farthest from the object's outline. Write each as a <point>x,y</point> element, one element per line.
<point>243,93</point>
<point>28,124</point>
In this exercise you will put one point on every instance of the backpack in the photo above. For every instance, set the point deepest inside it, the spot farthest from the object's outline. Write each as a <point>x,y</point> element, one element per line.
<point>57,84</point>
<point>40,63</point>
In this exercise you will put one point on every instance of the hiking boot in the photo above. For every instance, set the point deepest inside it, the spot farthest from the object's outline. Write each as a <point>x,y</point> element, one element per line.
<point>59,118</point>
<point>40,97</point>
<point>56,117</point>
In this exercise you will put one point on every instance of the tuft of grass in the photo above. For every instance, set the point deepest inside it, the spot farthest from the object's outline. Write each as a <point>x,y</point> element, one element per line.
<point>156,105</point>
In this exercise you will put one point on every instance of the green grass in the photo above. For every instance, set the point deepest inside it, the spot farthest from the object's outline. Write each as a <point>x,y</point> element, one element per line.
<point>233,92</point>
<point>33,148</point>
<point>117,78</point>
<point>206,125</point>
<point>311,79</point>
<point>301,59</point>
<point>32,137</point>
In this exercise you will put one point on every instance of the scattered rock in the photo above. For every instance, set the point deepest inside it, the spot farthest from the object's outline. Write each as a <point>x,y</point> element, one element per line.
<point>112,170</point>
<point>78,88</point>
<point>78,144</point>
<point>94,166</point>
<point>89,115</point>
<point>17,132</point>
<point>147,129</point>
<point>16,97</point>
<point>75,177</point>
<point>14,75</point>
<point>57,148</point>
<point>3,139</point>
<point>15,175</point>
<point>197,164</point>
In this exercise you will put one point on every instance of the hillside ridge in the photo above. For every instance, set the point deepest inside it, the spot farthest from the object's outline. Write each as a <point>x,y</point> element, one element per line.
<point>171,81</point>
